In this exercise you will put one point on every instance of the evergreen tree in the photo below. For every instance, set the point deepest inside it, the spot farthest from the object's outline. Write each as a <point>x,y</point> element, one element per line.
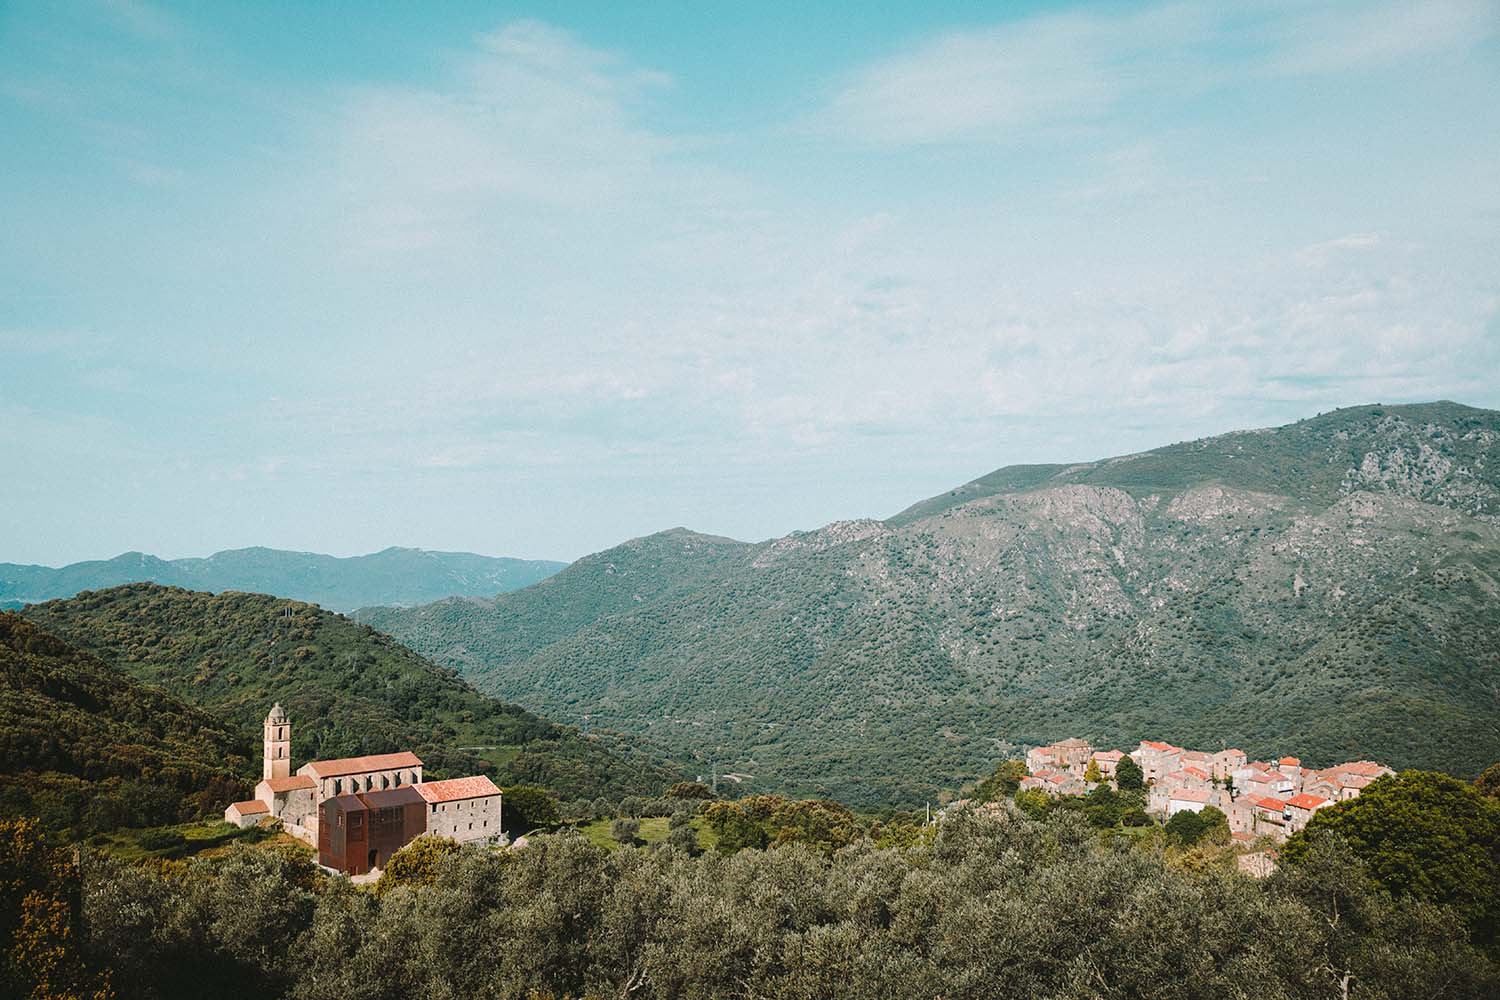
<point>1128,774</point>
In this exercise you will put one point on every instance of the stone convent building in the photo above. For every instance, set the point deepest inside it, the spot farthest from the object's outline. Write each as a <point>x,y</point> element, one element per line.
<point>358,811</point>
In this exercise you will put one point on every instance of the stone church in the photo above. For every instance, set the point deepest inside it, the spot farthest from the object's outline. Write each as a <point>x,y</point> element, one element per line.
<point>358,811</point>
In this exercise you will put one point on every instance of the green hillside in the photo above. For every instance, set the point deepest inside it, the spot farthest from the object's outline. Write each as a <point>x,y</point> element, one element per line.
<point>1329,589</point>
<point>86,748</point>
<point>347,688</point>
<point>392,576</point>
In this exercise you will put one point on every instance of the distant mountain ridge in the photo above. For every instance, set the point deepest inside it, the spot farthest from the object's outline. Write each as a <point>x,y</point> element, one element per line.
<point>394,576</point>
<point>1330,588</point>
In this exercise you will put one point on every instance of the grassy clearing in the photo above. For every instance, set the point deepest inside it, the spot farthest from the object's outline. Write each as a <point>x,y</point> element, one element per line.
<point>186,840</point>
<point>654,830</point>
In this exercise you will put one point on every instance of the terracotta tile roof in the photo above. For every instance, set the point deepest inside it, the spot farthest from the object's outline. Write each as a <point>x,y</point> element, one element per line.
<point>1274,805</point>
<point>474,787</point>
<point>1292,761</point>
<point>1196,772</point>
<point>1364,768</point>
<point>291,784</point>
<point>359,765</point>
<point>1190,795</point>
<point>1108,755</point>
<point>253,806</point>
<point>392,797</point>
<point>1306,801</point>
<point>1231,750</point>
<point>1154,745</point>
<point>1243,837</point>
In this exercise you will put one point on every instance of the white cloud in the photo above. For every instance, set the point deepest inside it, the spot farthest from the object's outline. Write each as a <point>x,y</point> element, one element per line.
<point>1333,38</point>
<point>1052,72</point>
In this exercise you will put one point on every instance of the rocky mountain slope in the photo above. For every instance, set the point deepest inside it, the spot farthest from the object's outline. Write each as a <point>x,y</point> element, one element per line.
<point>1329,589</point>
<point>348,689</point>
<point>393,576</point>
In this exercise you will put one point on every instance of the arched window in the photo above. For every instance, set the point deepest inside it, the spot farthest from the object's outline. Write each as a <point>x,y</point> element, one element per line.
<point>338,786</point>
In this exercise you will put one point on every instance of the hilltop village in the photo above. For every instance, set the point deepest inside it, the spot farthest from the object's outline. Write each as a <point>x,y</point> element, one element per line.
<point>1260,799</point>
<point>358,811</point>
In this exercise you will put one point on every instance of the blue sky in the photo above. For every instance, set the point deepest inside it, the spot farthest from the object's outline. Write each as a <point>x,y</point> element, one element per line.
<point>531,280</point>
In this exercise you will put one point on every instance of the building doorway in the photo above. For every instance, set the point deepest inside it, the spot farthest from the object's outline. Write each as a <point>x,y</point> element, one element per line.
<point>374,858</point>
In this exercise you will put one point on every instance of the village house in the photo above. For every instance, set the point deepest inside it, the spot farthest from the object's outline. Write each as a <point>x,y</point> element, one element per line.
<point>1107,761</point>
<point>1070,755</point>
<point>1300,809</point>
<point>1225,762</point>
<point>1157,759</point>
<point>243,814</point>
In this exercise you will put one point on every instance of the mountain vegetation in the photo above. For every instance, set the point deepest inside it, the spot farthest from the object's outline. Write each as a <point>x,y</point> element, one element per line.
<point>1327,589</point>
<point>347,688</point>
<point>993,905</point>
<point>393,576</point>
<point>86,748</point>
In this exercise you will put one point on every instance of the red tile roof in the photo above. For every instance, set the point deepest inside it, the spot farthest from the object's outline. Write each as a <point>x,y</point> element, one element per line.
<point>360,765</point>
<point>253,806</point>
<point>474,787</point>
<point>1291,760</point>
<point>291,784</point>
<point>1306,801</point>
<point>1274,805</point>
<point>1190,795</point>
<point>1108,755</point>
<point>1196,772</point>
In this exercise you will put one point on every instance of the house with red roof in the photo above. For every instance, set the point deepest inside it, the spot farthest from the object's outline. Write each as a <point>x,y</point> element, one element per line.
<point>1300,809</point>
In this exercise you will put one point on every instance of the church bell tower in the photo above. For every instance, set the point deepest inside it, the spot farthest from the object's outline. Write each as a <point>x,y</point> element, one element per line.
<point>278,744</point>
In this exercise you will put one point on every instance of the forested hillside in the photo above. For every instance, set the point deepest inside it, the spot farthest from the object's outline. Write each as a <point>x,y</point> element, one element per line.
<point>392,576</point>
<point>347,688</point>
<point>1328,589</point>
<point>84,747</point>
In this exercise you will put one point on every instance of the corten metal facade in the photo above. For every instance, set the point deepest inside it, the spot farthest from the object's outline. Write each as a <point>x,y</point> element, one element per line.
<point>360,832</point>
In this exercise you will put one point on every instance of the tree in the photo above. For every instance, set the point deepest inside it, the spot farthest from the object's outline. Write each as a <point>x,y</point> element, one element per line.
<point>40,893</point>
<point>1128,774</point>
<point>525,808</point>
<point>1421,835</point>
<point>817,823</point>
<point>625,829</point>
<point>416,864</point>
<point>1033,802</point>
<point>1091,773</point>
<point>1003,783</point>
<point>690,790</point>
<point>685,839</point>
<point>1488,782</point>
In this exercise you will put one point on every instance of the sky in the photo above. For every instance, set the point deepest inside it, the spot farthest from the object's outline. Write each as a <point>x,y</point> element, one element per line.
<point>531,280</point>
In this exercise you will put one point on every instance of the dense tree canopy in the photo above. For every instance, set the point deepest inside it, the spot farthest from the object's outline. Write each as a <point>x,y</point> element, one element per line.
<point>1422,835</point>
<point>994,906</point>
